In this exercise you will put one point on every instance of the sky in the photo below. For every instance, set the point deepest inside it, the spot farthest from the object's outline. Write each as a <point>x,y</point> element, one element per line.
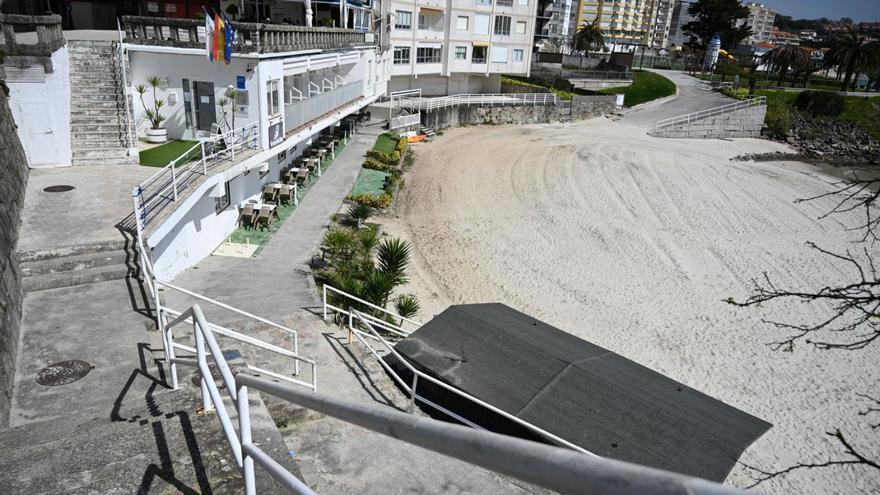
<point>859,10</point>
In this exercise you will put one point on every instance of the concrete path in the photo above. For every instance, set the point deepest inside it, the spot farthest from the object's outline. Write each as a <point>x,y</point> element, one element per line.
<point>693,95</point>
<point>277,281</point>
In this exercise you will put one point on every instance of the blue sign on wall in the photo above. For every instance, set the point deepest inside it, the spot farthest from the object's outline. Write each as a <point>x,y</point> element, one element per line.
<point>240,82</point>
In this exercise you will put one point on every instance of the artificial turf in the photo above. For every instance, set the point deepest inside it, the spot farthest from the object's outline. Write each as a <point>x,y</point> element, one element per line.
<point>161,156</point>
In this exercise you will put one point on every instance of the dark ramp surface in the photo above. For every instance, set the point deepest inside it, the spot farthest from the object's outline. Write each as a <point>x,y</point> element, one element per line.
<point>578,391</point>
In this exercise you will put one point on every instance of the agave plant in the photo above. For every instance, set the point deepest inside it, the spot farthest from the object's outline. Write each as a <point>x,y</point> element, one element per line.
<point>339,244</point>
<point>360,213</point>
<point>407,306</point>
<point>377,287</point>
<point>393,257</point>
<point>153,113</point>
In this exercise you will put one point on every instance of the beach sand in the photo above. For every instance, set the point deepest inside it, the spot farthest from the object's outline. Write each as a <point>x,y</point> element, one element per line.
<point>632,243</point>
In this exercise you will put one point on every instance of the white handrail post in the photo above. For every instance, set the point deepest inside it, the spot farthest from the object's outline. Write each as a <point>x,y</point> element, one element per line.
<point>412,394</point>
<point>207,405</point>
<point>174,179</point>
<point>296,351</point>
<point>169,351</point>
<point>234,142</point>
<point>295,194</point>
<point>246,438</point>
<point>204,158</point>
<point>324,287</point>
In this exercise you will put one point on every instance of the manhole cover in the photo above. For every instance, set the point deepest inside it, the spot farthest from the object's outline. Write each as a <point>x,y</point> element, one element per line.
<point>56,189</point>
<point>63,372</point>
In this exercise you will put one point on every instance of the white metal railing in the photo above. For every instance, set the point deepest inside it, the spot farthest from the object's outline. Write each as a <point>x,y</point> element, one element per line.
<point>166,185</point>
<point>500,99</point>
<point>358,317</point>
<point>120,58</point>
<point>163,313</point>
<point>404,121</point>
<point>299,112</point>
<point>241,443</point>
<point>351,300</point>
<point>711,112</point>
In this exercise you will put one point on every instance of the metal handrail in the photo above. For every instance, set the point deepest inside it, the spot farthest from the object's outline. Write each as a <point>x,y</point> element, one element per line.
<point>711,112</point>
<point>120,52</point>
<point>495,99</point>
<point>152,194</point>
<point>417,375</point>
<point>556,468</point>
<point>328,306</point>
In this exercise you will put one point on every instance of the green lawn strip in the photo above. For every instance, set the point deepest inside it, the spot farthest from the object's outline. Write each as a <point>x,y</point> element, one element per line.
<point>370,182</point>
<point>261,237</point>
<point>561,94</point>
<point>161,156</point>
<point>646,86</point>
<point>385,143</point>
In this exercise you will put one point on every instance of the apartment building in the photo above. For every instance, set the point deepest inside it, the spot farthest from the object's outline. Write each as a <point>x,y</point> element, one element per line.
<point>629,23</point>
<point>555,24</point>
<point>680,17</point>
<point>459,46</point>
<point>761,20</point>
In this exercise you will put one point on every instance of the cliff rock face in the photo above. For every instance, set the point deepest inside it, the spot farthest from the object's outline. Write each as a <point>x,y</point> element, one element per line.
<point>13,179</point>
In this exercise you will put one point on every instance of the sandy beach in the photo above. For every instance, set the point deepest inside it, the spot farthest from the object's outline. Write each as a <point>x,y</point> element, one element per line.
<point>633,243</point>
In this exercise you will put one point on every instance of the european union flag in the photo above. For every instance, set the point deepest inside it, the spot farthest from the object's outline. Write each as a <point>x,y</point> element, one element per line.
<point>229,34</point>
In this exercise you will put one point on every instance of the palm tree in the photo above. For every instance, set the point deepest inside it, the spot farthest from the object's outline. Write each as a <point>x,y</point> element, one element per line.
<point>359,212</point>
<point>407,306</point>
<point>786,57</point>
<point>393,258</point>
<point>588,37</point>
<point>853,53</point>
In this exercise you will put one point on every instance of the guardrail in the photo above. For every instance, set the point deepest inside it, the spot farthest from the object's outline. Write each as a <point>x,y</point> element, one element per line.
<point>45,39</point>
<point>350,300</point>
<point>299,112</point>
<point>252,37</point>
<point>499,99</point>
<point>404,121</point>
<point>711,112</point>
<point>163,313</point>
<point>165,186</point>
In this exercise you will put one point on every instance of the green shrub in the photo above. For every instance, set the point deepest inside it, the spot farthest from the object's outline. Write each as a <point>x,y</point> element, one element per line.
<point>392,158</point>
<point>373,164</point>
<point>379,202</point>
<point>737,94</point>
<point>778,121</point>
<point>401,145</point>
<point>824,103</point>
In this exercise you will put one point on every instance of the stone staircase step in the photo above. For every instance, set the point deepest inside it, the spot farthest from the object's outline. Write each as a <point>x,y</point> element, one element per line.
<point>101,153</point>
<point>80,249</point>
<point>81,128</point>
<point>74,263</point>
<point>73,278</point>
<point>99,87</point>
<point>90,98</point>
<point>165,448</point>
<point>98,119</point>
<point>85,148</point>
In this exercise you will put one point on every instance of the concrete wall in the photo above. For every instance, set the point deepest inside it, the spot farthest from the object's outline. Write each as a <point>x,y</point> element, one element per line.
<point>452,85</point>
<point>13,179</point>
<point>745,123</point>
<point>581,108</point>
<point>40,103</point>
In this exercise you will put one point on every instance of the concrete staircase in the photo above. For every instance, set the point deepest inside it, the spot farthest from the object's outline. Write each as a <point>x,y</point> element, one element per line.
<point>75,265</point>
<point>159,444</point>
<point>99,125</point>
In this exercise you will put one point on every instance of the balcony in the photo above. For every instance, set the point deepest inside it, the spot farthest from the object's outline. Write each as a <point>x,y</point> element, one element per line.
<point>300,112</point>
<point>31,35</point>
<point>252,37</point>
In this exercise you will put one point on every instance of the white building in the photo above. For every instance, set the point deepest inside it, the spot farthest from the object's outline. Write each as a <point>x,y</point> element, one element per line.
<point>459,46</point>
<point>761,20</point>
<point>555,24</point>
<point>680,16</point>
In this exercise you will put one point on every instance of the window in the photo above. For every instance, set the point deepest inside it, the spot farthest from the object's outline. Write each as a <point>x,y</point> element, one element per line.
<point>461,53</point>
<point>517,55</point>
<point>222,202</point>
<point>502,25</point>
<point>481,24</point>
<point>520,27</point>
<point>461,23</point>
<point>423,21</point>
<point>428,55</point>
<point>499,54</point>
<point>401,55</point>
<point>504,3</point>
<point>272,97</point>
<point>404,19</point>
<point>484,2</point>
<point>187,103</point>
<point>526,2</point>
<point>479,55</point>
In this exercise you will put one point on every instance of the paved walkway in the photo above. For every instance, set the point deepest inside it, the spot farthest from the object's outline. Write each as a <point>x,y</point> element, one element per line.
<point>277,282</point>
<point>693,95</point>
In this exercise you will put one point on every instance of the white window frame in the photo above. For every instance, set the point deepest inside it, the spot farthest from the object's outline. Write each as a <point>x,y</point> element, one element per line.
<point>461,50</point>
<point>497,53</point>
<point>458,22</point>
<point>401,60</point>
<point>501,22</point>
<point>523,25</point>
<point>273,102</point>
<point>482,23</point>
<point>401,15</point>
<point>518,54</point>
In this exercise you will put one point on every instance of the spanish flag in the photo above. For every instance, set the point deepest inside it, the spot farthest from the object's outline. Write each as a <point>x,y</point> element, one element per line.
<point>219,38</point>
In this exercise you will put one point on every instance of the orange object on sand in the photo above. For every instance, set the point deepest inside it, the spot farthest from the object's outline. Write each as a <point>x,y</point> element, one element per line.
<point>418,138</point>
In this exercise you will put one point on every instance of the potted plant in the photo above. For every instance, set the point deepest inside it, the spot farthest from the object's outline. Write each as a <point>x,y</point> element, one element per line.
<point>156,133</point>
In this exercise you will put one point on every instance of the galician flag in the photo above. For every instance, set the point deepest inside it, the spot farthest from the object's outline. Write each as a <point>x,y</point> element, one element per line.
<point>209,36</point>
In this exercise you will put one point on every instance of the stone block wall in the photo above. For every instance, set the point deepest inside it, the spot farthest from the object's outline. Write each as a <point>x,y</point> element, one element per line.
<point>745,123</point>
<point>515,88</point>
<point>13,179</point>
<point>580,108</point>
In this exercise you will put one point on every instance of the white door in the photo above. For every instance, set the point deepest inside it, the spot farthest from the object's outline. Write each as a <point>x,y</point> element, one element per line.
<point>38,136</point>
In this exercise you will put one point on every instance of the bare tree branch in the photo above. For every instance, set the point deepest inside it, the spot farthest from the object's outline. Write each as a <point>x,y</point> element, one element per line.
<point>852,195</point>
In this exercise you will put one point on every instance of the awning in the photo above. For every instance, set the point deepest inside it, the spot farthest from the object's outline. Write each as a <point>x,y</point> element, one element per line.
<point>480,43</point>
<point>431,9</point>
<point>423,44</point>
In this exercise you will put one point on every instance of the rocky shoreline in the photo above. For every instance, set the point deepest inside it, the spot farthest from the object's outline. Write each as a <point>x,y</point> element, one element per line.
<point>833,142</point>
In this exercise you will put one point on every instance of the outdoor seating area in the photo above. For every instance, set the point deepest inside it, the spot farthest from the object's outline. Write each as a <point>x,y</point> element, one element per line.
<point>261,217</point>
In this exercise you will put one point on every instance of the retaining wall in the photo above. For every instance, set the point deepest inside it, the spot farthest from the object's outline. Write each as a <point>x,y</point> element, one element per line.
<point>13,179</point>
<point>745,123</point>
<point>580,108</point>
